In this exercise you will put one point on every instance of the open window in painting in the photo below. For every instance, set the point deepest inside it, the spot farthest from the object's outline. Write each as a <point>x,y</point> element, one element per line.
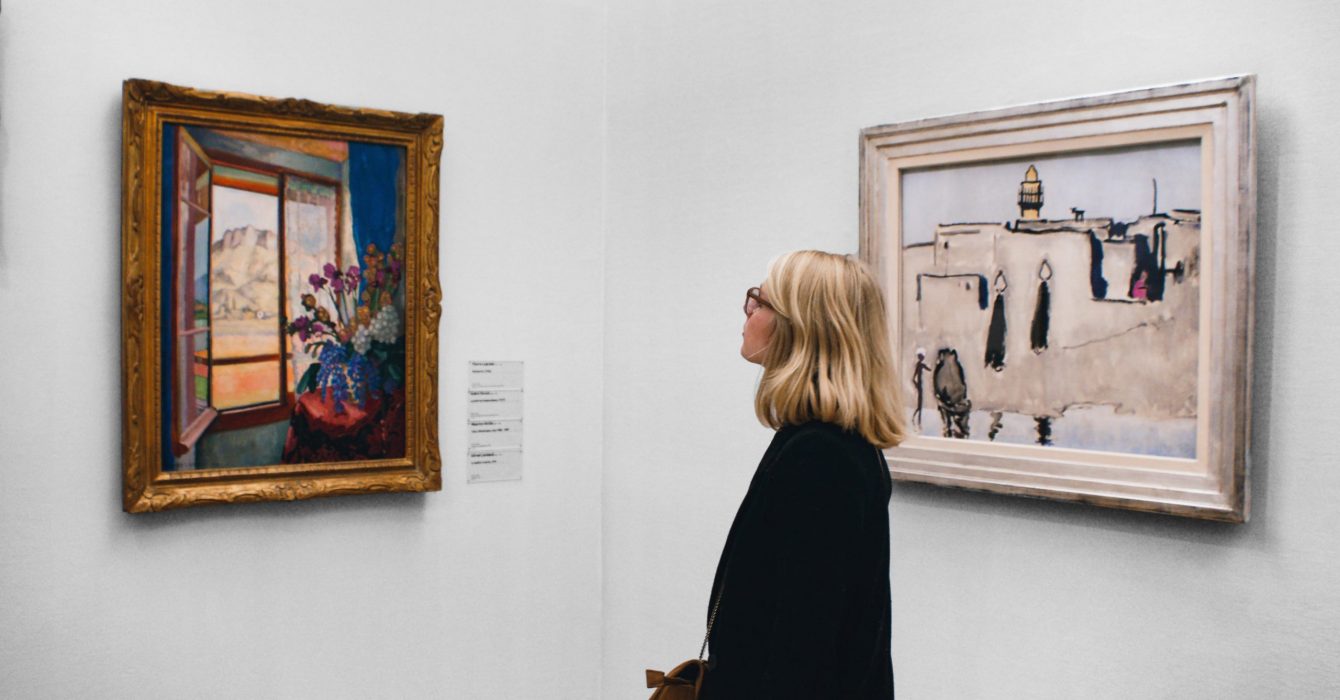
<point>244,301</point>
<point>258,218</point>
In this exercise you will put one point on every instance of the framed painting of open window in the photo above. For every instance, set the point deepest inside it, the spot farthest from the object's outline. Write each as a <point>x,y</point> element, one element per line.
<point>280,299</point>
<point>1069,291</point>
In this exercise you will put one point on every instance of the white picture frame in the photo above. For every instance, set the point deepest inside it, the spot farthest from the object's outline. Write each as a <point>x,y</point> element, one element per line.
<point>1207,476</point>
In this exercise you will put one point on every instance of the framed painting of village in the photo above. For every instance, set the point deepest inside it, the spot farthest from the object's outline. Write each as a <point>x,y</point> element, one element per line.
<point>1069,287</point>
<point>280,298</point>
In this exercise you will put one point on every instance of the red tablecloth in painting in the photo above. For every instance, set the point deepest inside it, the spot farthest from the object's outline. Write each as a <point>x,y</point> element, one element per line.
<point>318,433</point>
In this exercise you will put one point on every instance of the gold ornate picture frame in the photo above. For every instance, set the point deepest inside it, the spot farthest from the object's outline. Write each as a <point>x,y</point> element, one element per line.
<point>280,298</point>
<point>1069,287</point>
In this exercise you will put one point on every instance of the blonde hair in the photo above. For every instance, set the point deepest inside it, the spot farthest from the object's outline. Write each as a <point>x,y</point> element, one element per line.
<point>829,357</point>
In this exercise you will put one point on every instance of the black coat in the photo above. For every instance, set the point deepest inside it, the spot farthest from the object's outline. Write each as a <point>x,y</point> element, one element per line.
<point>804,611</point>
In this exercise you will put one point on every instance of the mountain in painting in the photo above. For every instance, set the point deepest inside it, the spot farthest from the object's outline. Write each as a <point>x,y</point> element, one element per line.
<point>244,274</point>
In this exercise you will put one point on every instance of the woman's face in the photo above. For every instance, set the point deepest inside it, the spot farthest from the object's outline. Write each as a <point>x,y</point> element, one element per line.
<point>757,328</point>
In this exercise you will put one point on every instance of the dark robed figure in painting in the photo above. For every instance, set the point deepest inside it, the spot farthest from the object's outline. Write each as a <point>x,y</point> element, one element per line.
<point>1042,313</point>
<point>951,393</point>
<point>995,335</point>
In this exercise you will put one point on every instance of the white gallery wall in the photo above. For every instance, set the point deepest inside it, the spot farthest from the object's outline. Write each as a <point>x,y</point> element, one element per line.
<point>615,174</point>
<point>733,132</point>
<point>481,591</point>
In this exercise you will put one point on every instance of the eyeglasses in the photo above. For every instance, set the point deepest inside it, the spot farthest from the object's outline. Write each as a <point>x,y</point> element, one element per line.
<point>753,298</point>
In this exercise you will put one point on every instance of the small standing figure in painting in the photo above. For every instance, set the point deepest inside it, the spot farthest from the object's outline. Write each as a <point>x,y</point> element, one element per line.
<point>919,384</point>
<point>997,420</point>
<point>1140,287</point>
<point>951,393</point>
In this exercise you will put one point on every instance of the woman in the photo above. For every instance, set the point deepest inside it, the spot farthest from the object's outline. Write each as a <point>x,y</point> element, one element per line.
<point>803,581</point>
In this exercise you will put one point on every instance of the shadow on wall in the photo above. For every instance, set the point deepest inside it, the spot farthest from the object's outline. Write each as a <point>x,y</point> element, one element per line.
<point>4,145</point>
<point>1271,131</point>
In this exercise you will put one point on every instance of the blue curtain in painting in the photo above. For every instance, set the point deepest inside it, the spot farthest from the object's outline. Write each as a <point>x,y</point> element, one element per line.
<point>168,197</point>
<point>374,188</point>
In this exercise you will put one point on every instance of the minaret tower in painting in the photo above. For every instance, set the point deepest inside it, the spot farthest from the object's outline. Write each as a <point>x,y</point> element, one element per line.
<point>1030,195</point>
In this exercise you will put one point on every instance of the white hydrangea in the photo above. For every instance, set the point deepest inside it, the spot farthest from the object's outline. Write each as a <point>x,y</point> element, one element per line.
<point>386,325</point>
<point>362,341</point>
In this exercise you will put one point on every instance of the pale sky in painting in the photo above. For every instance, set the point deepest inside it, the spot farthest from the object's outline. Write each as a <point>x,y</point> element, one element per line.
<point>1116,184</point>
<point>234,208</point>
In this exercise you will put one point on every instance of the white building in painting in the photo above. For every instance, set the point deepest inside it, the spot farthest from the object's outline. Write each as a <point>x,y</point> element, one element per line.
<point>1045,315</point>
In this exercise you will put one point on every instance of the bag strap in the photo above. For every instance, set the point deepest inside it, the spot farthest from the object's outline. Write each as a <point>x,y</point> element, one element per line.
<point>713,617</point>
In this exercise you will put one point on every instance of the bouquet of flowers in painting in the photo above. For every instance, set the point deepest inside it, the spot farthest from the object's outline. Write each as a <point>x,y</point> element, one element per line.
<point>350,399</point>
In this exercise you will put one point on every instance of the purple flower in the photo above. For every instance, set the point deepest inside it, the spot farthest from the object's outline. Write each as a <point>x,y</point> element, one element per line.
<point>381,277</point>
<point>300,325</point>
<point>331,272</point>
<point>353,274</point>
<point>337,284</point>
<point>317,281</point>
<point>395,267</point>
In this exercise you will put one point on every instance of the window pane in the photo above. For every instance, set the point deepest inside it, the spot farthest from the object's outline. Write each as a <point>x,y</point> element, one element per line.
<point>200,187</point>
<point>245,384</point>
<point>193,272</point>
<point>200,372</point>
<point>244,297</point>
<point>310,229</point>
<point>200,270</point>
<point>183,400</point>
<point>192,397</point>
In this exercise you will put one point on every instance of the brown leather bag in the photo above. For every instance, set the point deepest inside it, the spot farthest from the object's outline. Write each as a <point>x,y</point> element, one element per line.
<point>683,682</point>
